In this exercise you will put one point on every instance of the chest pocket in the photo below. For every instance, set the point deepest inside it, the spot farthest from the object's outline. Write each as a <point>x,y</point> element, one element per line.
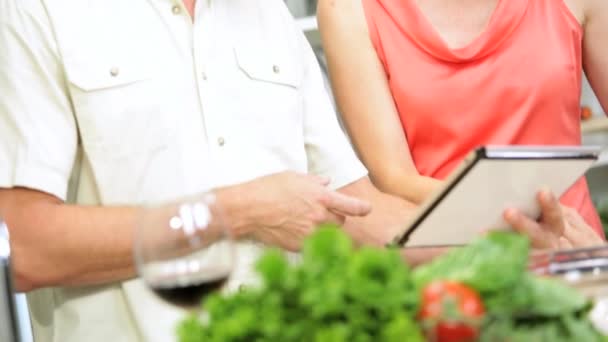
<point>267,93</point>
<point>124,121</point>
<point>119,106</point>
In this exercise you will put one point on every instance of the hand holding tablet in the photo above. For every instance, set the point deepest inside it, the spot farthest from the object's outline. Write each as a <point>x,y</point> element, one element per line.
<point>490,180</point>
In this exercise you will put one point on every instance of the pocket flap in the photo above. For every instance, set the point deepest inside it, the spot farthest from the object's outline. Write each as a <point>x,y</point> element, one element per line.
<point>91,76</point>
<point>269,66</point>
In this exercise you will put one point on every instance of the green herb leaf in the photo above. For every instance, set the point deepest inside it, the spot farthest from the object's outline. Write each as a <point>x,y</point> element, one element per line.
<point>492,263</point>
<point>536,297</point>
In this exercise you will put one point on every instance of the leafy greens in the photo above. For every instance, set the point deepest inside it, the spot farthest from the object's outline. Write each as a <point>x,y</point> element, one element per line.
<point>336,294</point>
<point>519,305</point>
<point>339,293</point>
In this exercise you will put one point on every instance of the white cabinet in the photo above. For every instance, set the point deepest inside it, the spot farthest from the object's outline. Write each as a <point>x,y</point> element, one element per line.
<point>305,13</point>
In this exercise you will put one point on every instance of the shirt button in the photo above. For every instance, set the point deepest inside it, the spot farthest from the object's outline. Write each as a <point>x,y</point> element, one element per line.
<point>276,69</point>
<point>221,141</point>
<point>176,9</point>
<point>114,71</point>
<point>204,76</point>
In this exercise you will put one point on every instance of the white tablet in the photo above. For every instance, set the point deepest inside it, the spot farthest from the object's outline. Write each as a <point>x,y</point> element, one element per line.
<point>490,180</point>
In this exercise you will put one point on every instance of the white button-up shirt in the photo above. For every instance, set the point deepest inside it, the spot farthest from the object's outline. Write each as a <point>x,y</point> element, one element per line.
<point>133,101</point>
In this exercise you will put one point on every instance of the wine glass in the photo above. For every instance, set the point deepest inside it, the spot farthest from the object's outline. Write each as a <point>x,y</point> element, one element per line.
<point>182,250</point>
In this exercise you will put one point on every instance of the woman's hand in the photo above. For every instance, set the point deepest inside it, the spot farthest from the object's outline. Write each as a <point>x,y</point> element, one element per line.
<point>559,227</point>
<point>578,232</point>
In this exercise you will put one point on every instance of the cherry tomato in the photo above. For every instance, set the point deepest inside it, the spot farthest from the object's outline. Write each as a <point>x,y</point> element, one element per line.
<point>451,312</point>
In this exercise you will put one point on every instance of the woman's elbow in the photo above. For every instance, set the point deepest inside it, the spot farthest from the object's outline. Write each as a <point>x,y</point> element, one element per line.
<point>399,182</point>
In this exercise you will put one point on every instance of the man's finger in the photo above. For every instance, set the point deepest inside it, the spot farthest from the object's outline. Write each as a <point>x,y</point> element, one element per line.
<point>346,205</point>
<point>335,218</point>
<point>551,210</point>
<point>321,180</point>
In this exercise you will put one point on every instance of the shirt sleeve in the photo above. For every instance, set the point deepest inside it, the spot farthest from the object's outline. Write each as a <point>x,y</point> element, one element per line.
<point>38,135</point>
<point>328,150</point>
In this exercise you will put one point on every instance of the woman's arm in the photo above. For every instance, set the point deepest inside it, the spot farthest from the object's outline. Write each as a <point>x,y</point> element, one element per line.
<point>365,101</point>
<point>595,48</point>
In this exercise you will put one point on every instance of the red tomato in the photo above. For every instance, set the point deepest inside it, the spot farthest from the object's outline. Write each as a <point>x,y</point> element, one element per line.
<point>451,311</point>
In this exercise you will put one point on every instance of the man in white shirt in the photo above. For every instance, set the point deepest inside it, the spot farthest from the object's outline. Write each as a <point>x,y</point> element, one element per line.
<point>149,101</point>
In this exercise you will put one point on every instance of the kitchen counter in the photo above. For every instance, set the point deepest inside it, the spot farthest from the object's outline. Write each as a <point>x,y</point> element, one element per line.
<point>595,125</point>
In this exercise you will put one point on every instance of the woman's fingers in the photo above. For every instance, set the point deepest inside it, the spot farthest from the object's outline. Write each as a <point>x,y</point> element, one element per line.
<point>559,227</point>
<point>578,232</point>
<point>565,243</point>
<point>552,217</point>
<point>522,224</point>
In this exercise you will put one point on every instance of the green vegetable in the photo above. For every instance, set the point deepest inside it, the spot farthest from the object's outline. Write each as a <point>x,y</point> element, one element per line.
<point>339,293</point>
<point>519,306</point>
<point>534,297</point>
<point>335,294</point>
<point>566,328</point>
<point>538,309</point>
<point>491,264</point>
<point>191,330</point>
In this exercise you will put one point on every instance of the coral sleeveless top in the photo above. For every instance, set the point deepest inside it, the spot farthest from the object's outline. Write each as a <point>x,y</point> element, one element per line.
<point>518,83</point>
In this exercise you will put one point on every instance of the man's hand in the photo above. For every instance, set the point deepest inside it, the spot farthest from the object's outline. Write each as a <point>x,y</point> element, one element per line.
<point>560,227</point>
<point>283,209</point>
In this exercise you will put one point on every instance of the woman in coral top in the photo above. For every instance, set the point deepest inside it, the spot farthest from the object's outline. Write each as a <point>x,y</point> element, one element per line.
<point>421,83</point>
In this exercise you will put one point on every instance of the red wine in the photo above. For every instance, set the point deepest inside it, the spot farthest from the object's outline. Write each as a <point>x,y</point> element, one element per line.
<point>188,292</point>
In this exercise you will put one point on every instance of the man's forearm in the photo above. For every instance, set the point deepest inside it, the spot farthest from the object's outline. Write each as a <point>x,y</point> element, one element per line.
<point>55,244</point>
<point>235,206</point>
<point>63,245</point>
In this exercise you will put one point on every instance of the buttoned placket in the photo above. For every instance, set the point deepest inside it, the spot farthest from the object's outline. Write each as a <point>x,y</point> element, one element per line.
<point>202,49</point>
<point>194,41</point>
<point>194,38</point>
